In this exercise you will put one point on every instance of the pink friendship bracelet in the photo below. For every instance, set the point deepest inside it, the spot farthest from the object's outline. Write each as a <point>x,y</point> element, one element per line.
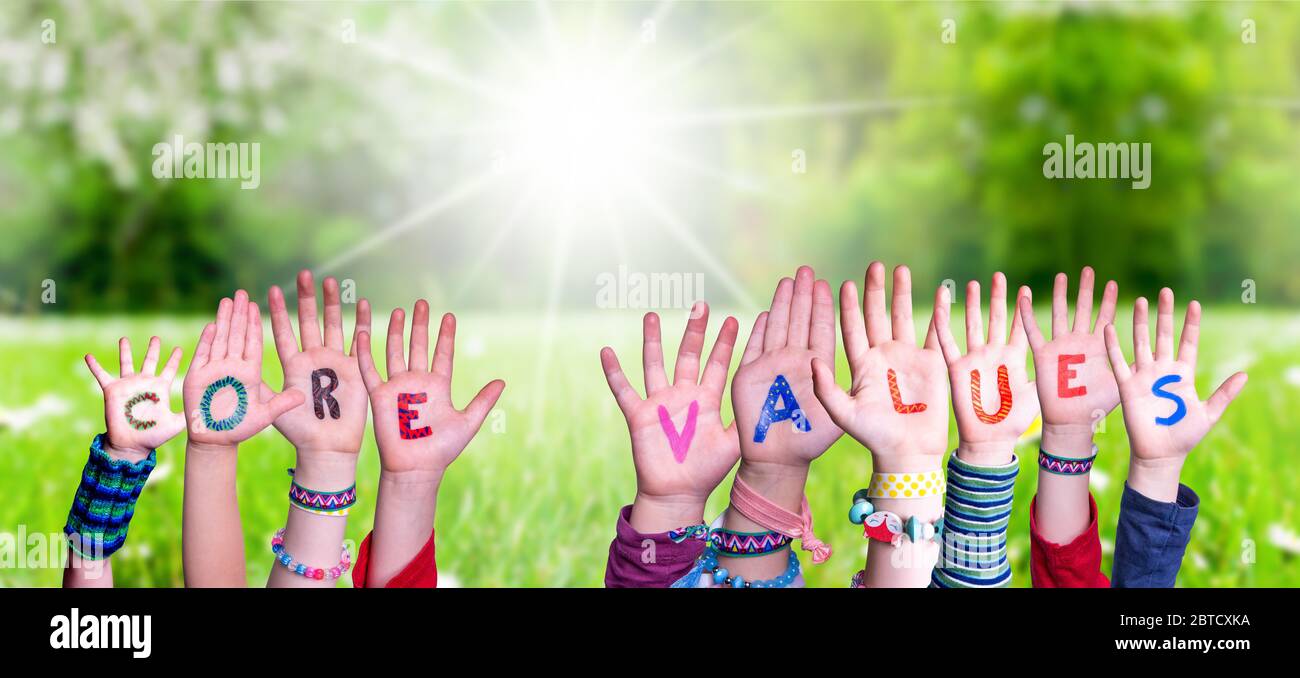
<point>757,508</point>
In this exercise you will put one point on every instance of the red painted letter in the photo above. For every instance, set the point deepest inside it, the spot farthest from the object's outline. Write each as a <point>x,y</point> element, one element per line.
<point>405,415</point>
<point>1064,373</point>
<point>1004,396</point>
<point>897,397</point>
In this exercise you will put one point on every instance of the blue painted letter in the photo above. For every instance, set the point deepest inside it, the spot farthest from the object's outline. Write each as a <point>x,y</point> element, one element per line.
<point>780,391</point>
<point>1180,409</point>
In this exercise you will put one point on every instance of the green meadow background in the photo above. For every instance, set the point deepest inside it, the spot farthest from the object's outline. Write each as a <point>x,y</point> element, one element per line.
<point>830,134</point>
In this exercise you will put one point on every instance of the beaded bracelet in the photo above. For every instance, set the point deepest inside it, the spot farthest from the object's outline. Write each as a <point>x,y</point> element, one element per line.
<point>283,558</point>
<point>105,501</point>
<point>887,526</point>
<point>322,503</point>
<point>731,543</point>
<point>911,485</point>
<point>708,565</point>
<point>1066,466</point>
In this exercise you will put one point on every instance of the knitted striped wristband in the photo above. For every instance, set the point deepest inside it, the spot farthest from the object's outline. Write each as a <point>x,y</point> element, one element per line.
<point>105,502</point>
<point>1065,466</point>
<point>976,514</point>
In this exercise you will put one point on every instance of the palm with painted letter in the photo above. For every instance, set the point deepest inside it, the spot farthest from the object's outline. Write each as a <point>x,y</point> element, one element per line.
<point>897,405</point>
<point>994,399</point>
<point>680,447</point>
<point>225,403</point>
<point>417,427</point>
<point>137,405</point>
<point>780,420</point>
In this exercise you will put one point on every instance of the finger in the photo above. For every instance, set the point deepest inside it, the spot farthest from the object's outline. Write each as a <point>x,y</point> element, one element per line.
<point>395,362</point>
<point>238,325</point>
<point>417,360</point>
<point>801,308</point>
<point>125,362</point>
<point>478,408</point>
<point>444,353</point>
<point>221,338</point>
<point>308,327</point>
<point>101,375</point>
<point>1191,335</point>
<point>171,424</point>
<point>873,305</point>
<point>203,351</point>
<point>283,402</point>
<point>1223,396</point>
<point>901,307</point>
<point>624,394</point>
<point>1083,305</point>
<point>333,315</point>
<point>687,368</point>
<point>1060,308</point>
<point>974,321</point>
<point>652,354</point>
<point>931,336</point>
<point>1035,336</point>
<point>253,344</point>
<point>361,324</point>
<point>715,371</point>
<point>366,361</point>
<point>1141,333</point>
<point>173,365</point>
<point>286,344</point>
<point>778,317</point>
<point>1165,325</point>
<point>838,404</point>
<point>821,331</point>
<point>1109,299</point>
<point>1019,338</point>
<point>754,347</point>
<point>852,327</point>
<point>942,321</point>
<point>1117,363</point>
<point>998,310</point>
<point>150,366</point>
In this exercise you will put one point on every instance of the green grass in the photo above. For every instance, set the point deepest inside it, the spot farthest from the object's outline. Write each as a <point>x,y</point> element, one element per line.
<point>532,502</point>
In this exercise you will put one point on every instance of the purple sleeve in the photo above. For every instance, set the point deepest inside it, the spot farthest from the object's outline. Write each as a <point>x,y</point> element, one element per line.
<point>647,560</point>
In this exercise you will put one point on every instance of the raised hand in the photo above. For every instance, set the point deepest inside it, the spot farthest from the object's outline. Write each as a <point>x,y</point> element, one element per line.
<point>417,427</point>
<point>994,399</point>
<point>137,405</point>
<point>332,417</point>
<point>1164,417</point>
<point>1075,385</point>
<point>225,401</point>
<point>679,445</point>
<point>897,405</point>
<point>780,421</point>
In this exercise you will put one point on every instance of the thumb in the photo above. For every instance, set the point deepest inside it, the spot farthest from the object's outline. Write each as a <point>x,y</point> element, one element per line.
<point>478,408</point>
<point>283,402</point>
<point>1223,396</point>
<point>837,403</point>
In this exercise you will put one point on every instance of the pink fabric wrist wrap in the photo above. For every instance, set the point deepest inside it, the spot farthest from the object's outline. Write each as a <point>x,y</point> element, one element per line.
<point>796,526</point>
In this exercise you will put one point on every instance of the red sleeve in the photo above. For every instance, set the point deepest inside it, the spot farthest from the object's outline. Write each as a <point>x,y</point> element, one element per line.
<point>420,573</point>
<point>1074,565</point>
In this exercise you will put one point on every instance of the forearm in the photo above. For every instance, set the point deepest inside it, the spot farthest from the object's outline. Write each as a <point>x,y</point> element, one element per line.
<point>909,564</point>
<point>313,538</point>
<point>101,512</point>
<point>781,484</point>
<point>83,573</point>
<point>653,514</point>
<point>977,511</point>
<point>212,538</point>
<point>404,518</point>
<point>1062,509</point>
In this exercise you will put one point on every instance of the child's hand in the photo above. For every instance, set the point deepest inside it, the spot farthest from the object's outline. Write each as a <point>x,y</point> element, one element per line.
<point>333,418</point>
<point>1075,386</point>
<point>416,425</point>
<point>225,400</point>
<point>993,397</point>
<point>679,446</point>
<point>779,419</point>
<point>137,406</point>
<point>1164,417</point>
<point>897,405</point>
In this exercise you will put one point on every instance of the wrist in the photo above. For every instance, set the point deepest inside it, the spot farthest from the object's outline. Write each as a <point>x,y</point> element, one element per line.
<point>1156,479</point>
<point>325,471</point>
<point>905,463</point>
<point>211,453</point>
<point>986,453</point>
<point>1067,440</point>
<point>410,486</point>
<point>780,483</point>
<point>132,455</point>
<point>654,514</point>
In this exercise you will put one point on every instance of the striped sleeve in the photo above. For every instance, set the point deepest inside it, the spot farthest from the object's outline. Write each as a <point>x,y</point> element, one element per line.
<point>975,518</point>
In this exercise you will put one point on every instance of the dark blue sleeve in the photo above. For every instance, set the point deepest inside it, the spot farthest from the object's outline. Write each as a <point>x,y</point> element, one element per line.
<point>1151,538</point>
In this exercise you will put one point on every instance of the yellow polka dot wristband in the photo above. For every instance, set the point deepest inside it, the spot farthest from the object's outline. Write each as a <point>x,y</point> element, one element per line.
<point>906,485</point>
